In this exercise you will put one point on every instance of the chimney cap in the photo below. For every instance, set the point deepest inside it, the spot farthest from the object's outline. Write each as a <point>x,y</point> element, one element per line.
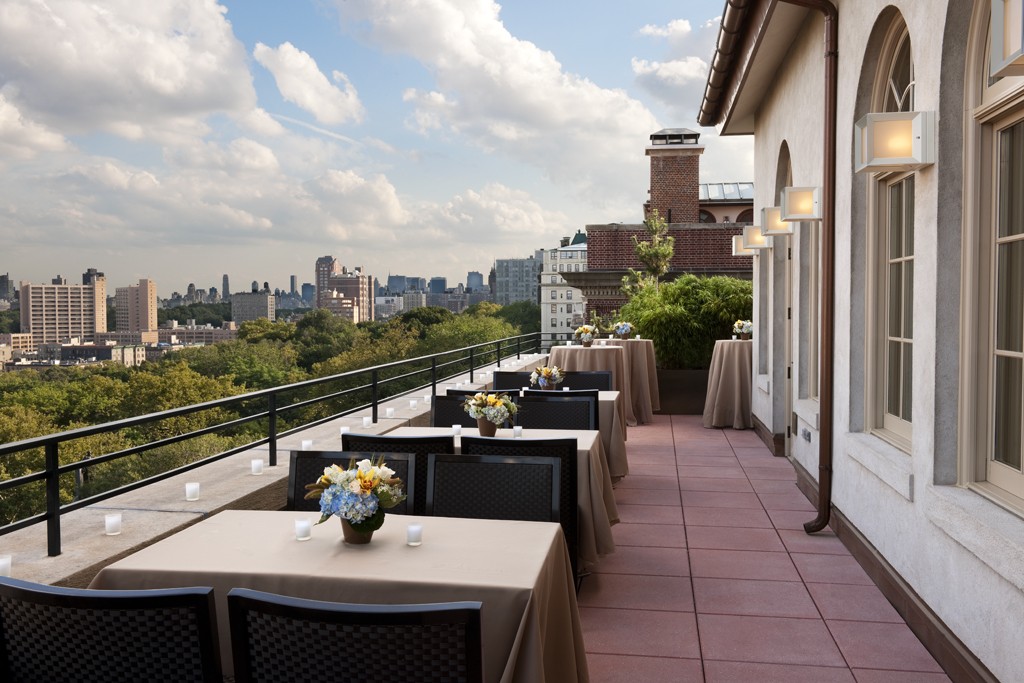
<point>675,136</point>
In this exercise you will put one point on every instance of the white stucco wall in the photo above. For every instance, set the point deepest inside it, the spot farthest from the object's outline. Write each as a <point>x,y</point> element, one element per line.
<point>962,553</point>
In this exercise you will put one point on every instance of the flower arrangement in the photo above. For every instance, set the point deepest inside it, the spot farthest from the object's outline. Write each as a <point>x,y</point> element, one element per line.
<point>495,408</point>
<point>358,494</point>
<point>547,377</point>
<point>742,327</point>
<point>623,329</point>
<point>585,333</point>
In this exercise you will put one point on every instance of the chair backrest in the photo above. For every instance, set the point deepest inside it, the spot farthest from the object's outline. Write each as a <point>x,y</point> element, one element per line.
<point>558,412</point>
<point>420,445</point>
<point>278,639</point>
<point>462,393</point>
<point>566,450</point>
<point>506,380</point>
<point>494,487</point>
<point>446,411</point>
<point>308,466</point>
<point>64,635</point>
<point>572,393</point>
<point>588,379</point>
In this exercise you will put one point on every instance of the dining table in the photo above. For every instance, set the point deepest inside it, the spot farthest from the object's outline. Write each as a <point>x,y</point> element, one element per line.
<point>577,358</point>
<point>595,497</point>
<point>727,403</point>
<point>519,571</point>
<point>643,376</point>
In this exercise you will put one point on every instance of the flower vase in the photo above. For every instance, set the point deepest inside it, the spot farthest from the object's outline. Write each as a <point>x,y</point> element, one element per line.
<point>624,336</point>
<point>548,387</point>
<point>587,344</point>
<point>354,536</point>
<point>486,427</point>
<point>744,335</point>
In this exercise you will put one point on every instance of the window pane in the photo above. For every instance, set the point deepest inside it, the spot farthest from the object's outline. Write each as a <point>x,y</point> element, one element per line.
<point>908,230</point>
<point>1011,175</point>
<point>1008,412</point>
<point>908,300</point>
<point>895,220</point>
<point>892,379</point>
<point>895,299</point>
<point>908,382</point>
<point>1010,296</point>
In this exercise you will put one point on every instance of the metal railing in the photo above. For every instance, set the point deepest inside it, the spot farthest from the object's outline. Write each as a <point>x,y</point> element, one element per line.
<point>380,382</point>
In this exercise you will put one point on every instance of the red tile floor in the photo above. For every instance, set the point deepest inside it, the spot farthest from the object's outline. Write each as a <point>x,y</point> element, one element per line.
<point>714,579</point>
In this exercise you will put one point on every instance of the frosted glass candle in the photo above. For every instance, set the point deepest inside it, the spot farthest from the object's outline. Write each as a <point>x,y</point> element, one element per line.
<point>112,523</point>
<point>344,430</point>
<point>568,343</point>
<point>413,403</point>
<point>5,565</point>
<point>367,421</point>
<point>517,432</point>
<point>426,399</point>
<point>257,466</point>
<point>638,336</point>
<point>390,412</point>
<point>192,490</point>
<point>414,534</point>
<point>456,429</point>
<point>307,444</point>
<point>303,529</point>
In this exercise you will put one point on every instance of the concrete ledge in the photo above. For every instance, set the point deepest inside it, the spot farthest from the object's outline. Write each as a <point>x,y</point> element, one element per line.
<point>160,509</point>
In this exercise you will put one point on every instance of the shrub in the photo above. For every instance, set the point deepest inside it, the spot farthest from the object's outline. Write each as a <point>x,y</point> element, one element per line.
<point>684,317</point>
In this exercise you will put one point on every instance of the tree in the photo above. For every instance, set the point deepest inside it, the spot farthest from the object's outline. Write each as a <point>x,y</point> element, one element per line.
<point>320,335</point>
<point>423,317</point>
<point>257,330</point>
<point>522,314</point>
<point>655,253</point>
<point>203,314</point>
<point>10,321</point>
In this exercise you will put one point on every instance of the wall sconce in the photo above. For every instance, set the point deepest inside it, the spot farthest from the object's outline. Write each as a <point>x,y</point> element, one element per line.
<point>738,249</point>
<point>897,141</point>
<point>1007,29</point>
<point>772,223</point>
<point>754,239</point>
<point>801,204</point>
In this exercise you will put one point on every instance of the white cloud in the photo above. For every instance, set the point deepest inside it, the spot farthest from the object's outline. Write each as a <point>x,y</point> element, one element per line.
<point>137,70</point>
<point>301,82</point>
<point>23,139</point>
<point>677,29</point>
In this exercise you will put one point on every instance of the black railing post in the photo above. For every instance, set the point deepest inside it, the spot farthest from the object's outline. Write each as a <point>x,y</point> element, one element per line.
<point>433,376</point>
<point>52,500</point>
<point>497,360</point>
<point>373,395</point>
<point>472,362</point>
<point>272,427</point>
<point>519,348</point>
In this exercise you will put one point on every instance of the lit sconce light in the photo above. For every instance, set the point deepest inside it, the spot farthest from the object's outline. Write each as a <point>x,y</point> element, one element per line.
<point>801,204</point>
<point>897,141</point>
<point>1007,29</point>
<point>772,223</point>
<point>754,239</point>
<point>738,249</point>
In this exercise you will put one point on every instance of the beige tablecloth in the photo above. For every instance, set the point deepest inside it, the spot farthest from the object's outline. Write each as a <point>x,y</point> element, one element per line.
<point>594,495</point>
<point>613,432</point>
<point>728,400</point>
<point>519,570</point>
<point>643,377</point>
<point>613,358</point>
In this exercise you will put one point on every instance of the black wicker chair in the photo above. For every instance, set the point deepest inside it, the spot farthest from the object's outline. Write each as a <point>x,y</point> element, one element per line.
<point>420,445</point>
<point>446,411</point>
<point>69,635</point>
<point>308,466</point>
<point>505,380</point>
<point>556,411</point>
<point>588,379</point>
<point>278,639</point>
<point>494,487</point>
<point>566,450</point>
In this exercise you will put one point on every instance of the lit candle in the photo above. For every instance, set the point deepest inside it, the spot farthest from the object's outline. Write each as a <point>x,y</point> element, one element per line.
<point>456,429</point>
<point>426,399</point>
<point>112,522</point>
<point>414,534</point>
<point>638,336</point>
<point>517,432</point>
<point>568,343</point>
<point>257,466</point>
<point>303,528</point>
<point>5,565</point>
<point>390,412</point>
<point>413,403</point>
<point>192,490</point>
<point>367,421</point>
<point>344,430</point>
<point>565,388</point>
<point>307,444</point>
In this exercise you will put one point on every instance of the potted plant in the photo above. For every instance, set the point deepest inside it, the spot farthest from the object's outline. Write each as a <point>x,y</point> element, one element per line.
<point>546,377</point>
<point>358,496</point>
<point>490,411</point>
<point>585,334</point>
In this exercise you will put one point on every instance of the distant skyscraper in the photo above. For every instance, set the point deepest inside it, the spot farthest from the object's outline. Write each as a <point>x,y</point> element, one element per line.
<point>135,307</point>
<point>6,287</point>
<point>295,285</point>
<point>326,268</point>
<point>255,286</point>
<point>344,292</point>
<point>253,306</point>
<point>308,292</point>
<point>90,276</point>
<point>518,279</point>
<point>225,288</point>
<point>57,312</point>
<point>397,284</point>
<point>438,285</point>
<point>474,281</point>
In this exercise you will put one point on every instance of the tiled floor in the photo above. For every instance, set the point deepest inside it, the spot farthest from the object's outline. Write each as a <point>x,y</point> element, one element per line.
<point>715,580</point>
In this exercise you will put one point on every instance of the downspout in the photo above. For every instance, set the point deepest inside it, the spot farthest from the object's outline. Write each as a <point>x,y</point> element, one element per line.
<point>828,265</point>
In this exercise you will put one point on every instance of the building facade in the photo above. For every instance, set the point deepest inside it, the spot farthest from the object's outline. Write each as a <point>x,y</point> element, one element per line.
<point>55,313</point>
<point>135,307</point>
<point>888,349</point>
<point>517,279</point>
<point>562,307</point>
<point>247,306</point>
<point>344,292</point>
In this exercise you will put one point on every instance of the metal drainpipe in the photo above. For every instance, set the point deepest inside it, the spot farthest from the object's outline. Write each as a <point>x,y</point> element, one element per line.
<point>828,258</point>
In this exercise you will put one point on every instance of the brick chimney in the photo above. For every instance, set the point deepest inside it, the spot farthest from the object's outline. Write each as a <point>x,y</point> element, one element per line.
<point>675,175</point>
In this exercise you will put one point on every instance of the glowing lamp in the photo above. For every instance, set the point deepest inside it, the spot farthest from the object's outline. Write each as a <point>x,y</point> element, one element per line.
<point>738,249</point>
<point>772,223</point>
<point>896,141</point>
<point>801,204</point>
<point>754,239</point>
<point>1007,56</point>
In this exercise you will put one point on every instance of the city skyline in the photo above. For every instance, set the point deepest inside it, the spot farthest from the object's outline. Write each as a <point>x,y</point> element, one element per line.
<point>196,138</point>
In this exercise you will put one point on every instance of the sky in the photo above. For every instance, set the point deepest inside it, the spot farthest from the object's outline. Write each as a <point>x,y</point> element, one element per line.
<point>180,140</point>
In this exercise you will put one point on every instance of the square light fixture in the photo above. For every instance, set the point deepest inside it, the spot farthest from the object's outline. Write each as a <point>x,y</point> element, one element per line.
<point>801,204</point>
<point>896,141</point>
<point>772,223</point>
<point>1007,29</point>
<point>738,249</point>
<point>754,239</point>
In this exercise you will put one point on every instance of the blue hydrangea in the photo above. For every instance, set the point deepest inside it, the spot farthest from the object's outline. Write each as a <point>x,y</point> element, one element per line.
<point>355,507</point>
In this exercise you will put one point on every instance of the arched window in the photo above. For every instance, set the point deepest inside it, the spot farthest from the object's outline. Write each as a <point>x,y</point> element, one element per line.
<point>746,216</point>
<point>707,217</point>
